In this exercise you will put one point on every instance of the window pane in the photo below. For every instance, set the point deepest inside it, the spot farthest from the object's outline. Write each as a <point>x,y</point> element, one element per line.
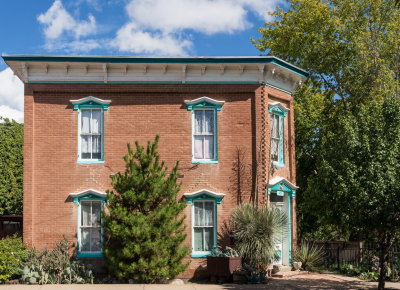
<point>274,126</point>
<point>198,147</point>
<point>198,239</point>
<point>96,213</point>
<point>209,121</point>
<point>85,128</point>
<point>198,214</point>
<point>95,241</point>
<point>208,213</point>
<point>85,147</point>
<point>209,147</point>
<point>85,240</point>
<point>274,149</point>
<point>85,209</point>
<point>96,147</point>
<point>198,121</point>
<point>96,121</point>
<point>209,239</point>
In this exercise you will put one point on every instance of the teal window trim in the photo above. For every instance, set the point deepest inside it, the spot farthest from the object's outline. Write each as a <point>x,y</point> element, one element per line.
<point>205,103</point>
<point>90,104</point>
<point>281,112</point>
<point>87,197</point>
<point>203,196</point>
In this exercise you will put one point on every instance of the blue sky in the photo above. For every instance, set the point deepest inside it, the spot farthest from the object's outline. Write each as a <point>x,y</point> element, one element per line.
<point>124,27</point>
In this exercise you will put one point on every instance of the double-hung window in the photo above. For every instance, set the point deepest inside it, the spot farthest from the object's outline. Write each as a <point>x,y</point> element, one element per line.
<point>204,134</point>
<point>204,129</point>
<point>90,227</point>
<point>275,137</point>
<point>277,116</point>
<point>204,220</point>
<point>90,128</point>
<point>91,134</point>
<point>203,226</point>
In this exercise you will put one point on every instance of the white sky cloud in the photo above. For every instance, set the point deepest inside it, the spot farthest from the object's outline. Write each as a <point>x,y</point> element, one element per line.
<point>129,38</point>
<point>60,24</point>
<point>11,96</point>
<point>165,23</point>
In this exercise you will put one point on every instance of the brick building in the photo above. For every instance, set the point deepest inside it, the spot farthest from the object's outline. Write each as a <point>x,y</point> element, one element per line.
<point>226,119</point>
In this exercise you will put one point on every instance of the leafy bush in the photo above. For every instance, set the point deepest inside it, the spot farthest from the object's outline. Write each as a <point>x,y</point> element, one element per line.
<point>55,267</point>
<point>370,276</point>
<point>310,256</point>
<point>12,254</point>
<point>350,270</point>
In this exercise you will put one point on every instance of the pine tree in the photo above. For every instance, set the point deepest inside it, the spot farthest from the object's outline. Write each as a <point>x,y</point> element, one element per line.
<point>143,222</point>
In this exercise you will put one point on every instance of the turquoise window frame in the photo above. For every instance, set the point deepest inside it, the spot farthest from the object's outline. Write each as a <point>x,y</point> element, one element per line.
<point>204,197</point>
<point>280,189</point>
<point>205,105</point>
<point>88,197</point>
<point>90,104</point>
<point>281,113</point>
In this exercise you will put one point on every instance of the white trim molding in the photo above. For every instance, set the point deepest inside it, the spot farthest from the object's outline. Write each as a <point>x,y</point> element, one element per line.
<point>278,104</point>
<point>204,191</point>
<point>88,191</point>
<point>90,98</point>
<point>278,179</point>
<point>204,99</point>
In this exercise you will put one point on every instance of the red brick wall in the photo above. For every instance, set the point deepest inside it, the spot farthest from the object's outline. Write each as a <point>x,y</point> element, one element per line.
<point>139,112</point>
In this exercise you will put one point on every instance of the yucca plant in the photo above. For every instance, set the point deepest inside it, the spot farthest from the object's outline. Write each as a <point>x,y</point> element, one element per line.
<point>256,230</point>
<point>309,255</point>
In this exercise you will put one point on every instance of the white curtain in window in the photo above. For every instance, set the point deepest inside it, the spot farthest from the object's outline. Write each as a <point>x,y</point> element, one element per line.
<point>85,121</point>
<point>209,121</point>
<point>198,147</point>
<point>95,242</point>
<point>209,214</point>
<point>198,214</point>
<point>96,121</point>
<point>209,147</point>
<point>96,144</point>
<point>198,121</point>
<point>85,144</point>
<point>86,212</point>
<point>96,213</point>
<point>85,240</point>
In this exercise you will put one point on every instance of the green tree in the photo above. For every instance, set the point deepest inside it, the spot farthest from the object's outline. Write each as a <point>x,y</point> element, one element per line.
<point>351,48</point>
<point>358,182</point>
<point>11,166</point>
<point>143,222</point>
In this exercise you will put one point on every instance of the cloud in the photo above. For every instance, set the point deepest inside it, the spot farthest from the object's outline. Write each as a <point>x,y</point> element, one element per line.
<point>60,26</point>
<point>129,38</point>
<point>167,24</point>
<point>74,46</point>
<point>11,96</point>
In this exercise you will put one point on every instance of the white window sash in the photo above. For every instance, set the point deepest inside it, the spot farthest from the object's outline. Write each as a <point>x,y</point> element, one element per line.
<point>204,227</point>
<point>92,134</point>
<point>90,226</point>
<point>204,134</point>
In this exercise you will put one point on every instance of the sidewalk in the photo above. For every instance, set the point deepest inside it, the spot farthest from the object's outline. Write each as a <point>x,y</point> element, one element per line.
<point>300,281</point>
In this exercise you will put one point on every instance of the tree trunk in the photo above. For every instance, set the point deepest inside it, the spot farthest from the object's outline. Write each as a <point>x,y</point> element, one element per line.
<point>384,245</point>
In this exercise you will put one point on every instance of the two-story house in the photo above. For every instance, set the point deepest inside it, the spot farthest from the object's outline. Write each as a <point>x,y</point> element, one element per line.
<point>228,120</point>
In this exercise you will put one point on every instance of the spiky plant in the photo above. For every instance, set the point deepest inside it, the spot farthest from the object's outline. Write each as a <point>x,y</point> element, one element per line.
<point>256,230</point>
<point>310,256</point>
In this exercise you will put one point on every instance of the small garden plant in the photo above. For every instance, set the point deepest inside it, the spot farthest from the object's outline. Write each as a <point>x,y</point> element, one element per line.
<point>55,267</point>
<point>309,255</point>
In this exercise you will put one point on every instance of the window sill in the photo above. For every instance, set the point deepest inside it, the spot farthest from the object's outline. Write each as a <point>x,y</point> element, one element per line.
<point>89,255</point>
<point>201,254</point>
<point>196,161</point>
<point>90,162</point>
